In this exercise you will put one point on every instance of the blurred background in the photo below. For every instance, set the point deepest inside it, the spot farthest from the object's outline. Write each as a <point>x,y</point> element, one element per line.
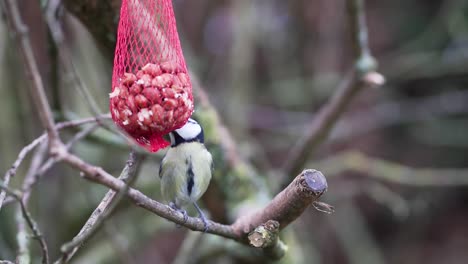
<point>268,66</point>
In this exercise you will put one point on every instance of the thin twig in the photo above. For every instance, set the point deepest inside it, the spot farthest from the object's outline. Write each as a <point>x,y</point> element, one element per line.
<point>38,93</point>
<point>79,122</point>
<point>21,156</point>
<point>53,160</point>
<point>362,75</point>
<point>34,166</point>
<point>66,60</point>
<point>12,171</point>
<point>58,37</point>
<point>17,195</point>
<point>103,210</point>
<point>22,236</point>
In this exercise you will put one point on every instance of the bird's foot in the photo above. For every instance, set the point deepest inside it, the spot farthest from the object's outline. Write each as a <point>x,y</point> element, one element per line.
<point>182,211</point>
<point>202,217</point>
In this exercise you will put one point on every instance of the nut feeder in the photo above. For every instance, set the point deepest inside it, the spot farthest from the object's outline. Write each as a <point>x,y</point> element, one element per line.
<point>151,89</point>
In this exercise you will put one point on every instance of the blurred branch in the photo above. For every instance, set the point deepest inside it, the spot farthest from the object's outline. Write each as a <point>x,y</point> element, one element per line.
<point>55,27</point>
<point>189,248</point>
<point>351,226</point>
<point>17,195</point>
<point>106,13</point>
<point>401,112</point>
<point>22,236</point>
<point>20,31</point>
<point>392,172</point>
<point>103,210</point>
<point>379,116</point>
<point>363,75</point>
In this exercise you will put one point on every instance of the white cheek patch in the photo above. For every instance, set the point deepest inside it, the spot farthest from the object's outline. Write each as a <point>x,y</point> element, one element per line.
<point>190,130</point>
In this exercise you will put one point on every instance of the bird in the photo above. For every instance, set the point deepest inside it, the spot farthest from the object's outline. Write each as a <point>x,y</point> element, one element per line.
<point>186,169</point>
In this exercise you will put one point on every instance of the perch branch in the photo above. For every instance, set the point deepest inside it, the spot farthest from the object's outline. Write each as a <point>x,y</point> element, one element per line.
<point>363,75</point>
<point>103,210</point>
<point>284,208</point>
<point>288,204</point>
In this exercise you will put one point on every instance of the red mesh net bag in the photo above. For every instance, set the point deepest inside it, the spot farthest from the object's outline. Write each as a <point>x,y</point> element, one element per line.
<point>151,90</point>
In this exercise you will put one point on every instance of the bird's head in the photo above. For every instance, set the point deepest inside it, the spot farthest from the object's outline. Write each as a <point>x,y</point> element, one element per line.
<point>190,132</point>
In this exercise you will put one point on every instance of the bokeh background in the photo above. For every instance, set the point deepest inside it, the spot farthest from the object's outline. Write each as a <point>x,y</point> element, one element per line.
<point>268,66</point>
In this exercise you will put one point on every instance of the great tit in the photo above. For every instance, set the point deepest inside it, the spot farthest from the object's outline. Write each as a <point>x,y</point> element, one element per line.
<point>185,171</point>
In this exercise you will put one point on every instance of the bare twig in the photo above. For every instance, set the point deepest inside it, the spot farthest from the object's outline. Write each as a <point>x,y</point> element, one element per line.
<point>52,160</point>
<point>362,75</point>
<point>12,171</point>
<point>34,166</point>
<point>22,236</point>
<point>20,30</point>
<point>58,37</point>
<point>392,172</point>
<point>17,195</point>
<point>104,209</point>
<point>65,57</point>
<point>79,122</point>
<point>21,156</point>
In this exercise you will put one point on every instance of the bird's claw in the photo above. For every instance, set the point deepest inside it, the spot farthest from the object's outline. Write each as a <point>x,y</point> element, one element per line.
<point>205,223</point>
<point>182,211</point>
<point>202,217</point>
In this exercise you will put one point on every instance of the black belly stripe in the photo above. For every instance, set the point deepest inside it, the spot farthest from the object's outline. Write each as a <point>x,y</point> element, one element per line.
<point>190,176</point>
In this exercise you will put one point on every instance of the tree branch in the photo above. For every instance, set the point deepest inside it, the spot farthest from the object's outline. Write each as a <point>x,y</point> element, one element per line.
<point>40,99</point>
<point>103,210</point>
<point>17,195</point>
<point>23,153</point>
<point>362,76</point>
<point>53,160</point>
<point>284,208</point>
<point>12,171</point>
<point>288,205</point>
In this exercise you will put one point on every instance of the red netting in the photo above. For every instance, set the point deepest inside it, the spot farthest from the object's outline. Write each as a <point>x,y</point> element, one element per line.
<point>151,90</point>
